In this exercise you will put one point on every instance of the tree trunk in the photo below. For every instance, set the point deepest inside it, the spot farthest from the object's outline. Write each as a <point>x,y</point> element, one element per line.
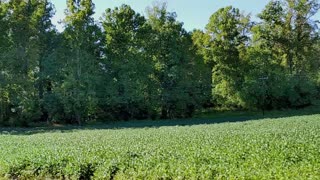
<point>164,112</point>
<point>78,118</point>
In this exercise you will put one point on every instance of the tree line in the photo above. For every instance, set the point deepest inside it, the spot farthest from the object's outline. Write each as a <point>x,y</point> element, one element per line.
<point>129,66</point>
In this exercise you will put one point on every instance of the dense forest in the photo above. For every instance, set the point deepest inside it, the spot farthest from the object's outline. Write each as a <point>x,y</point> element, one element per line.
<point>129,66</point>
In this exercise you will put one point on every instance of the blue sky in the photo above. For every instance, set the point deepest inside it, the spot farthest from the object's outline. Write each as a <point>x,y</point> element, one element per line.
<point>194,13</point>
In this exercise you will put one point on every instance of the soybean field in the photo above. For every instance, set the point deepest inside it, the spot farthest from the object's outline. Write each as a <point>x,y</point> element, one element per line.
<point>256,149</point>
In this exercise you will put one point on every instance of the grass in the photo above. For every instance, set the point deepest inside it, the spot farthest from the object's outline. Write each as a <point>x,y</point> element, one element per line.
<point>268,148</point>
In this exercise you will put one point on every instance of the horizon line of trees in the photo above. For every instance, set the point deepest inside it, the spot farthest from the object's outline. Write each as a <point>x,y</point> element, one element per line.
<point>130,66</point>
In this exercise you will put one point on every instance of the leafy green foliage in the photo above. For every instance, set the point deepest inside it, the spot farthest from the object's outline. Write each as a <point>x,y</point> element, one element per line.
<point>26,25</point>
<point>81,38</point>
<point>129,66</point>
<point>181,88</point>
<point>128,90</point>
<point>225,39</point>
<point>289,30</point>
<point>281,68</point>
<point>266,149</point>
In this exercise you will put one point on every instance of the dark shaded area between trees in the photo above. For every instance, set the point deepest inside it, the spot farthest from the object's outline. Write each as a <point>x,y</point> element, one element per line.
<point>212,117</point>
<point>128,66</point>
